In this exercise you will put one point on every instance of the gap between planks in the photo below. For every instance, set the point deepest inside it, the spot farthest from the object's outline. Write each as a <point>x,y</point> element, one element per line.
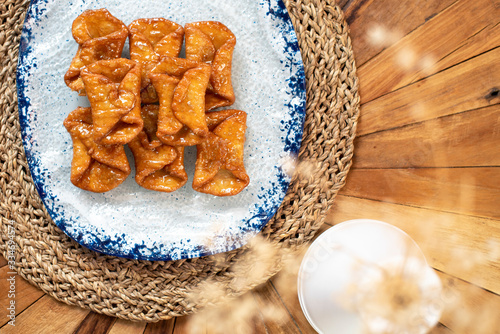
<point>361,16</point>
<point>469,138</point>
<point>444,94</point>
<point>121,326</point>
<point>468,308</point>
<point>95,323</point>
<point>468,191</point>
<point>25,294</point>
<point>399,63</point>
<point>270,304</point>
<point>47,315</point>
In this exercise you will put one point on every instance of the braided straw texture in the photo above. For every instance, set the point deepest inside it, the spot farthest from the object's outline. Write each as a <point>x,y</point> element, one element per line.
<point>152,291</point>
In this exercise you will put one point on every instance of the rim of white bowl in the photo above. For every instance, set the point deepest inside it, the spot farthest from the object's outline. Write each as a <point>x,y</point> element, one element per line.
<point>324,235</point>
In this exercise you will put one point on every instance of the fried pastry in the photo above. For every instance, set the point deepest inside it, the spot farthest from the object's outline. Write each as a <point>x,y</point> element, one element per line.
<point>213,43</point>
<point>219,166</point>
<point>181,85</point>
<point>96,168</point>
<point>186,137</point>
<point>100,36</point>
<point>158,166</point>
<point>113,89</point>
<point>150,39</point>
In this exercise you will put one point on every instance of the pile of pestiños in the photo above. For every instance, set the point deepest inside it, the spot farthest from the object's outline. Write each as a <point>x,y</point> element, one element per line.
<point>156,103</point>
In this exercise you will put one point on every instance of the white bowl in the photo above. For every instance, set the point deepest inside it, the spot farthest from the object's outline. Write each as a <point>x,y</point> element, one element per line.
<point>338,271</point>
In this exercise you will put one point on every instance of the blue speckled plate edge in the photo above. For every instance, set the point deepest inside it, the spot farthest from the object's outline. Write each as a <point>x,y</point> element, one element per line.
<point>293,138</point>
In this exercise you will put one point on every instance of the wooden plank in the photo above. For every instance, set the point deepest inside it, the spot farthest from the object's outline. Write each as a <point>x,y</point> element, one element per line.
<point>3,261</point>
<point>362,16</point>
<point>288,294</point>
<point>248,307</point>
<point>95,323</point>
<point>285,284</point>
<point>238,315</point>
<point>467,139</point>
<point>440,329</point>
<point>197,323</point>
<point>405,61</point>
<point>341,3</point>
<point>479,43</point>
<point>469,309</point>
<point>124,326</point>
<point>466,247</point>
<point>258,326</point>
<point>47,315</point>
<point>471,191</point>
<point>275,314</point>
<point>191,324</point>
<point>160,327</point>
<point>443,94</point>
<point>22,293</point>
<point>181,325</point>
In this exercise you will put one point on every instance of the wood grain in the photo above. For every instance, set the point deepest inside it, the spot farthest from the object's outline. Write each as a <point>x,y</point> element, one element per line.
<point>161,327</point>
<point>23,295</point>
<point>3,261</point>
<point>364,16</point>
<point>285,284</point>
<point>341,3</point>
<point>470,191</point>
<point>291,300</point>
<point>401,64</point>
<point>426,160</point>
<point>470,84</point>
<point>258,326</point>
<point>469,309</point>
<point>95,323</point>
<point>239,315</point>
<point>181,325</point>
<point>484,40</point>
<point>470,138</point>
<point>127,327</point>
<point>462,246</point>
<point>440,329</point>
<point>47,316</point>
<point>275,314</point>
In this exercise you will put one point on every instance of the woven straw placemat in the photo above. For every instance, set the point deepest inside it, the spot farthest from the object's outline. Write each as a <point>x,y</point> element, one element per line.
<point>152,291</point>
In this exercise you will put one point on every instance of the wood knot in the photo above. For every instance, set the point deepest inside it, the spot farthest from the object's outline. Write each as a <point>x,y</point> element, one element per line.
<point>493,93</point>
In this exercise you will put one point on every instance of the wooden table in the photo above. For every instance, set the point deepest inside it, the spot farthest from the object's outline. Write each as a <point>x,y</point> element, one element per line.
<point>427,160</point>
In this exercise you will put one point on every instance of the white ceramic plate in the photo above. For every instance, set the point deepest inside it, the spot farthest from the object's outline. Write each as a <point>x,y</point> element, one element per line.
<point>351,254</point>
<point>129,221</point>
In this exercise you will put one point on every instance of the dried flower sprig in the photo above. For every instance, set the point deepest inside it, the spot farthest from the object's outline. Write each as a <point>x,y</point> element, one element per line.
<point>226,312</point>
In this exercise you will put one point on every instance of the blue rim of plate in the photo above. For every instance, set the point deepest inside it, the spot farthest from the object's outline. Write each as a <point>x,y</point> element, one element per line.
<point>292,141</point>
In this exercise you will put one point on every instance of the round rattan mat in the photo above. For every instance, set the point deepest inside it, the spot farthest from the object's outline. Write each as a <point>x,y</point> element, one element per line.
<point>152,291</point>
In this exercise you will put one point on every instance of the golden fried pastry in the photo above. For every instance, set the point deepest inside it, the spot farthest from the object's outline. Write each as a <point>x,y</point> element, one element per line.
<point>186,137</point>
<point>219,166</point>
<point>181,85</point>
<point>212,42</point>
<point>150,39</point>
<point>95,167</point>
<point>113,89</point>
<point>100,36</point>
<point>158,166</point>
